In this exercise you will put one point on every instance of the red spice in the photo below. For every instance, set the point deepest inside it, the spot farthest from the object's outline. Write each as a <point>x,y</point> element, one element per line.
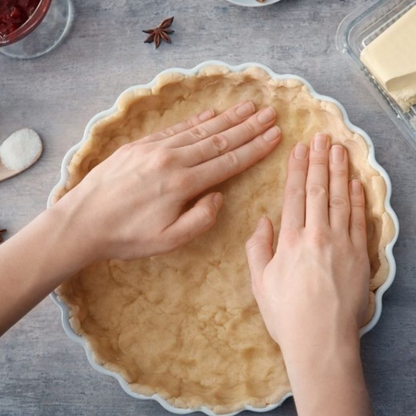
<point>14,13</point>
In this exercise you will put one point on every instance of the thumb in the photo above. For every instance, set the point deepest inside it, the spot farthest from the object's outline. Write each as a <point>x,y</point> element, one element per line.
<point>259,249</point>
<point>200,218</point>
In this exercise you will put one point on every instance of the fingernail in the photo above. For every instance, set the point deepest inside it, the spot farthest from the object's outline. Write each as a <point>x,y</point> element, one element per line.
<point>245,109</point>
<point>337,154</point>
<point>205,115</point>
<point>261,223</point>
<point>266,115</point>
<point>300,151</point>
<point>356,187</point>
<point>217,200</point>
<point>320,142</point>
<point>271,134</point>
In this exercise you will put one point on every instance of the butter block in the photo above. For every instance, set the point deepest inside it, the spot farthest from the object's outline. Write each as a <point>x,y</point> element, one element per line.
<point>391,58</point>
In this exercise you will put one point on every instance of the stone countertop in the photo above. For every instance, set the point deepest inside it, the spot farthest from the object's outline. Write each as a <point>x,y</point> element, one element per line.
<point>42,372</point>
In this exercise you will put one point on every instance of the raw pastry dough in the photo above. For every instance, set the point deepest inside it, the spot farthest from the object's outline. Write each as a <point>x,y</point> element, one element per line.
<point>185,325</point>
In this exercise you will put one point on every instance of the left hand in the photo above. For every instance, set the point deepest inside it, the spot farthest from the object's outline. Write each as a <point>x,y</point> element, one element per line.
<point>132,205</point>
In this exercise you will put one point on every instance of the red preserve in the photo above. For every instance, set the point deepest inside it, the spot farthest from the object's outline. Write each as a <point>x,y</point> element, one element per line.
<point>14,13</point>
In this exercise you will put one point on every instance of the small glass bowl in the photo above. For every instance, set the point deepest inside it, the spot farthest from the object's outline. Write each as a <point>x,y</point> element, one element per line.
<point>42,32</point>
<point>27,27</point>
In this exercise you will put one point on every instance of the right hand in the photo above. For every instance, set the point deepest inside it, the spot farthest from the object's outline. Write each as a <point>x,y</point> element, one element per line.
<point>313,291</point>
<point>315,286</point>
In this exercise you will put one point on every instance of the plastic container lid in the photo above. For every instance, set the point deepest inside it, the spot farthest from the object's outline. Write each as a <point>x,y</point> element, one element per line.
<point>358,30</point>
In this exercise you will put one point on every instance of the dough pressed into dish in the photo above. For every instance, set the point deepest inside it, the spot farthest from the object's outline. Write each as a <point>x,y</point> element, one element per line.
<point>185,325</point>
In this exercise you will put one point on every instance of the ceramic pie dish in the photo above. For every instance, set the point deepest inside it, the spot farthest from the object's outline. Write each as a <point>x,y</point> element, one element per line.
<point>192,338</point>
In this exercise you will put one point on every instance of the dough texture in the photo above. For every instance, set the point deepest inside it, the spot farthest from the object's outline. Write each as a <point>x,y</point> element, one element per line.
<point>185,325</point>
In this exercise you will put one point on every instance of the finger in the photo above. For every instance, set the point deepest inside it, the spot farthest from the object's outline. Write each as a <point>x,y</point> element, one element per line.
<point>230,118</point>
<point>293,212</point>
<point>232,163</point>
<point>200,218</point>
<point>230,139</point>
<point>339,200</point>
<point>358,231</point>
<point>317,182</point>
<point>259,249</point>
<point>179,128</point>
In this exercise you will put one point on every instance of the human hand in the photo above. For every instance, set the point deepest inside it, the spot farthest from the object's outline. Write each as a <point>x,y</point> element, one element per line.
<point>133,204</point>
<point>317,281</point>
<point>313,290</point>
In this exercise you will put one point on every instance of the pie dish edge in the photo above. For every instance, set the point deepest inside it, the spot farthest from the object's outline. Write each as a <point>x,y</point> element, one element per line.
<point>190,72</point>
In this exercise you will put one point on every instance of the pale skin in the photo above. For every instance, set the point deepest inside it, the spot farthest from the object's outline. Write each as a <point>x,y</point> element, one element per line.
<point>312,290</point>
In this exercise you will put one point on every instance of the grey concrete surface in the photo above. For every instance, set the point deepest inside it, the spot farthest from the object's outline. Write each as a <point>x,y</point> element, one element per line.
<point>42,372</point>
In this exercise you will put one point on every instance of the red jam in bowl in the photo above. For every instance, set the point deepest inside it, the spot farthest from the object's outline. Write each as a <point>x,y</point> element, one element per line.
<point>14,13</point>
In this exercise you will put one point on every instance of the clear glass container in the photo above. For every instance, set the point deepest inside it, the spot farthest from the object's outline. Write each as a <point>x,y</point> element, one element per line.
<point>42,32</point>
<point>359,29</point>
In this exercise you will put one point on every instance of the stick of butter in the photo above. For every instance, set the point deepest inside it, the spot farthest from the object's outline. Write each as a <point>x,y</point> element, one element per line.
<point>391,58</point>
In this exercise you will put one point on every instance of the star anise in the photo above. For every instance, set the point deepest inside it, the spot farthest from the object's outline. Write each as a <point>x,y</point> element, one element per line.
<point>2,232</point>
<point>160,33</point>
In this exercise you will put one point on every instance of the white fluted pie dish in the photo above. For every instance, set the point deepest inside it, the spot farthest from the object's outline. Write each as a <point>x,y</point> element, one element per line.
<point>333,106</point>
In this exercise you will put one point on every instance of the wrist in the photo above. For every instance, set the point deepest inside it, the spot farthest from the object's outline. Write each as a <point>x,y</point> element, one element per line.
<point>70,251</point>
<point>72,230</point>
<point>322,361</point>
<point>326,375</point>
<point>317,343</point>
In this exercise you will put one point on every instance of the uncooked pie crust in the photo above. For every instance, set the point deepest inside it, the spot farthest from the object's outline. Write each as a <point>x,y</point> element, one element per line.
<point>185,325</point>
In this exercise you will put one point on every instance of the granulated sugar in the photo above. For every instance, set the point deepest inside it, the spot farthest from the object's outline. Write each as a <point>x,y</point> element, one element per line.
<point>21,149</point>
